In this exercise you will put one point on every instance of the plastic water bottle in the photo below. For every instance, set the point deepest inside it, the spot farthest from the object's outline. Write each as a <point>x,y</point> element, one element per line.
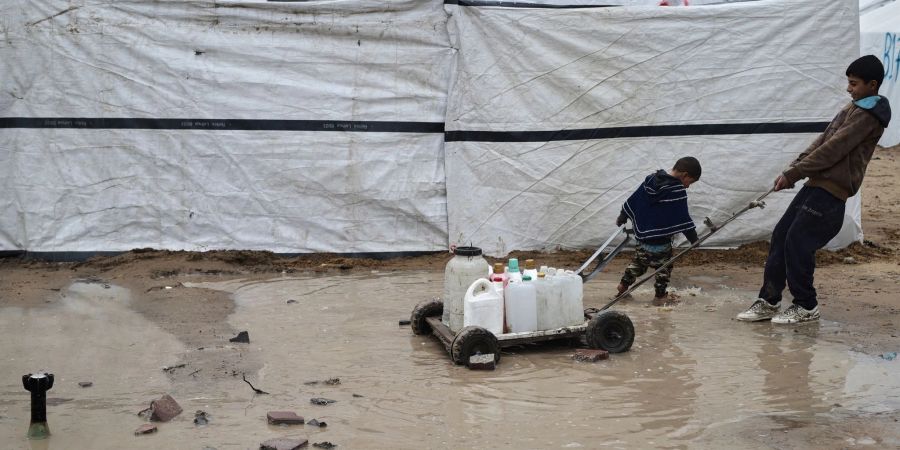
<point>515,275</point>
<point>530,269</point>
<point>521,306</point>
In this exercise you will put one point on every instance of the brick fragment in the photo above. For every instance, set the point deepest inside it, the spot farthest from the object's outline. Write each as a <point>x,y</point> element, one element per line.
<point>482,362</point>
<point>284,417</point>
<point>590,355</point>
<point>283,444</point>
<point>146,428</point>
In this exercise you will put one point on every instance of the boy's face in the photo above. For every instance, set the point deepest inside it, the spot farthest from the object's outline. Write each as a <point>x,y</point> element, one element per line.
<point>685,179</point>
<point>857,88</point>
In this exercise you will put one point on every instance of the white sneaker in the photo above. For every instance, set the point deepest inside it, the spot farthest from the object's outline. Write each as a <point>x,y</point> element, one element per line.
<point>759,310</point>
<point>796,314</point>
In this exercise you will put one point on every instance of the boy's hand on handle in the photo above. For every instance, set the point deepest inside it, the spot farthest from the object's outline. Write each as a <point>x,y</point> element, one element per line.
<point>782,183</point>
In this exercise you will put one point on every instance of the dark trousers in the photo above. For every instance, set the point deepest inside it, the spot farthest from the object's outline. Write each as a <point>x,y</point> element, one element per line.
<point>813,218</point>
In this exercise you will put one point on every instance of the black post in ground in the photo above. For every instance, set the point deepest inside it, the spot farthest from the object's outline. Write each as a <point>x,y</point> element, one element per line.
<point>38,384</point>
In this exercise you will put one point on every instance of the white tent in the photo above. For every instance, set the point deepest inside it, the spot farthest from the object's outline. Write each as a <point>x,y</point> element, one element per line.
<point>373,126</point>
<point>879,30</point>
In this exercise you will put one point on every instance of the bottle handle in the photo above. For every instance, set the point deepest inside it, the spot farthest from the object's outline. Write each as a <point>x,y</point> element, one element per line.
<point>482,284</point>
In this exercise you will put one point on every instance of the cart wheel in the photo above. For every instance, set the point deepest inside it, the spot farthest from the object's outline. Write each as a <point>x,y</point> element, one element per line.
<point>611,331</point>
<point>472,341</point>
<point>422,311</point>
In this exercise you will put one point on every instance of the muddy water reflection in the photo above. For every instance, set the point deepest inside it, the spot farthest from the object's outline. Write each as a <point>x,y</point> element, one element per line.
<point>692,372</point>
<point>87,334</point>
<point>694,378</point>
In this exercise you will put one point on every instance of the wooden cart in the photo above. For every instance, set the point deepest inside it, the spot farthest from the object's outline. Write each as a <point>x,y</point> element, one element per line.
<point>608,330</point>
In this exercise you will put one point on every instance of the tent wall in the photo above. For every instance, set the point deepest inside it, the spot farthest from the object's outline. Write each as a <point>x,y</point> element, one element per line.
<point>319,126</point>
<point>727,84</point>
<point>312,167</point>
<point>880,36</point>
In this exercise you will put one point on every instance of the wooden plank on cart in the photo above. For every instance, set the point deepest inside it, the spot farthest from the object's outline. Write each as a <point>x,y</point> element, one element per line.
<point>510,339</point>
<point>441,331</point>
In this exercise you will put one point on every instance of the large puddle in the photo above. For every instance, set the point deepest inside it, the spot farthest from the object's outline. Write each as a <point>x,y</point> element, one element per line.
<point>694,378</point>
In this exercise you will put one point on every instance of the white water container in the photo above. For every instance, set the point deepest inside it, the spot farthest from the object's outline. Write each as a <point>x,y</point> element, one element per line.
<point>560,301</point>
<point>572,299</point>
<point>483,307</point>
<point>466,266</point>
<point>521,306</point>
<point>547,296</point>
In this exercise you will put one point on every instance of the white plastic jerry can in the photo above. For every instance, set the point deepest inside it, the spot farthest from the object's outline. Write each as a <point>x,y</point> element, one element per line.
<point>483,307</point>
<point>572,307</point>
<point>548,296</point>
<point>521,306</point>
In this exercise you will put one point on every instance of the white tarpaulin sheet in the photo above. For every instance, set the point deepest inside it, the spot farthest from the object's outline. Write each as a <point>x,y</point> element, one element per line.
<point>880,36</point>
<point>318,126</point>
<point>556,115</point>
<point>281,131</point>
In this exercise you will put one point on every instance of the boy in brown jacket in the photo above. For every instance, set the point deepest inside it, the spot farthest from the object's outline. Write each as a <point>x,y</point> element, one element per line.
<point>834,164</point>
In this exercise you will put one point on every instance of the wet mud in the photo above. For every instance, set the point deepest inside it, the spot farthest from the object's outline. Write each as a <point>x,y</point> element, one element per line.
<point>694,378</point>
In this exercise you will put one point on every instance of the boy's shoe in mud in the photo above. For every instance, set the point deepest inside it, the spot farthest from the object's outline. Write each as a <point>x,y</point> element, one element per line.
<point>796,314</point>
<point>660,301</point>
<point>620,289</point>
<point>759,310</point>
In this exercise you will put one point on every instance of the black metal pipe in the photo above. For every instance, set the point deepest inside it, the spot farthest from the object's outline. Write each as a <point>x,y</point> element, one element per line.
<point>38,384</point>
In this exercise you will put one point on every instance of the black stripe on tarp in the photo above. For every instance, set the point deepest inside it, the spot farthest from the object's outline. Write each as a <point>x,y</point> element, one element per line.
<point>506,4</point>
<point>412,127</point>
<point>126,123</point>
<point>81,256</point>
<point>635,132</point>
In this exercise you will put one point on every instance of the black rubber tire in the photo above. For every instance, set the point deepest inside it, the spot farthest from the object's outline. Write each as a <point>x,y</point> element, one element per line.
<point>422,311</point>
<point>611,331</point>
<point>472,341</point>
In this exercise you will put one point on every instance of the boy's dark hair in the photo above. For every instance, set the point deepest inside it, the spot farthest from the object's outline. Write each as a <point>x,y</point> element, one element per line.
<point>867,68</point>
<point>690,166</point>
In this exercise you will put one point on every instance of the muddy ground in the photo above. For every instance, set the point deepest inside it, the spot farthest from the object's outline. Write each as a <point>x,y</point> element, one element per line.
<point>859,289</point>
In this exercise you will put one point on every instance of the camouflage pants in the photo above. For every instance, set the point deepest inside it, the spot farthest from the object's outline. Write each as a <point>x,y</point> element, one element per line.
<point>644,259</point>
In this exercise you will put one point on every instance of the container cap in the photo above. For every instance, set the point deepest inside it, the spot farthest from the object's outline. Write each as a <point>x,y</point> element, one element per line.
<point>498,268</point>
<point>529,264</point>
<point>467,251</point>
<point>541,274</point>
<point>513,264</point>
<point>526,278</point>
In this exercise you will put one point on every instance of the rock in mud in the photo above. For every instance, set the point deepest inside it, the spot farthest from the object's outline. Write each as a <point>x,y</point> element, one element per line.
<point>85,384</point>
<point>890,356</point>
<point>284,417</point>
<point>291,301</point>
<point>590,355</point>
<point>325,444</point>
<point>404,322</point>
<point>321,401</point>
<point>164,409</point>
<point>146,428</point>
<point>482,362</point>
<point>283,444</point>
<point>316,423</point>
<point>201,418</point>
<point>243,337</point>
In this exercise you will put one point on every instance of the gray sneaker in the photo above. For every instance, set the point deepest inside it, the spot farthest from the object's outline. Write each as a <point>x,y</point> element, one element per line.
<point>796,314</point>
<point>759,310</point>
